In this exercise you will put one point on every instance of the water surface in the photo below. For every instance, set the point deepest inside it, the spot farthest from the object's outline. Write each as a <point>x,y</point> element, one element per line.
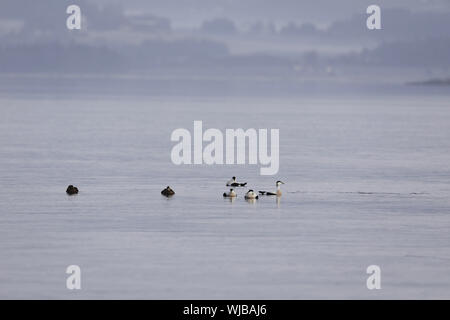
<point>367,182</point>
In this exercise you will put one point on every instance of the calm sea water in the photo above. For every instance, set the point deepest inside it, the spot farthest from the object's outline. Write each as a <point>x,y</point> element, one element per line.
<point>367,182</point>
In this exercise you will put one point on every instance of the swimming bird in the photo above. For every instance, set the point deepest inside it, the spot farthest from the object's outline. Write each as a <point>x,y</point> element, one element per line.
<point>71,190</point>
<point>278,193</point>
<point>168,192</point>
<point>230,194</point>
<point>251,195</point>
<point>233,183</point>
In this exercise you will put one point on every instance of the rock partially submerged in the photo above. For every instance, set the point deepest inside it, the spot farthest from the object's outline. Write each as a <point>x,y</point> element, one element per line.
<point>71,190</point>
<point>168,192</point>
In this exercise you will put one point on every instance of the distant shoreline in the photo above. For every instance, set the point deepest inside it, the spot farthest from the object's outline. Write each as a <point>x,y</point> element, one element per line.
<point>431,82</point>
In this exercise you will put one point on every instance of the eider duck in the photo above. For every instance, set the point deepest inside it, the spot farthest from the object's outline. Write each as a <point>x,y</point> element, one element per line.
<point>251,195</point>
<point>230,194</point>
<point>278,193</point>
<point>233,183</point>
<point>71,190</point>
<point>168,192</point>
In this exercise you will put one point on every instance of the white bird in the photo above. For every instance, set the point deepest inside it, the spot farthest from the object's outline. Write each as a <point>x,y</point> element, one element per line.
<point>230,194</point>
<point>277,193</point>
<point>251,195</point>
<point>233,183</point>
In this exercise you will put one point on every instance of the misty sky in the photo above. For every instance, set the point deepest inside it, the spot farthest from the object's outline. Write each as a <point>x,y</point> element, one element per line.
<point>190,12</point>
<point>278,39</point>
<point>193,12</point>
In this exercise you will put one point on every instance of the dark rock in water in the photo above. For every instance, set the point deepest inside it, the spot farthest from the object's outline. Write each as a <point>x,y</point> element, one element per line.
<point>168,192</point>
<point>71,190</point>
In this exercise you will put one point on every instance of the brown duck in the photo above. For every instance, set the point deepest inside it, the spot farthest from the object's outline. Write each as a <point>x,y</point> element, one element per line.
<point>168,192</point>
<point>71,190</point>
